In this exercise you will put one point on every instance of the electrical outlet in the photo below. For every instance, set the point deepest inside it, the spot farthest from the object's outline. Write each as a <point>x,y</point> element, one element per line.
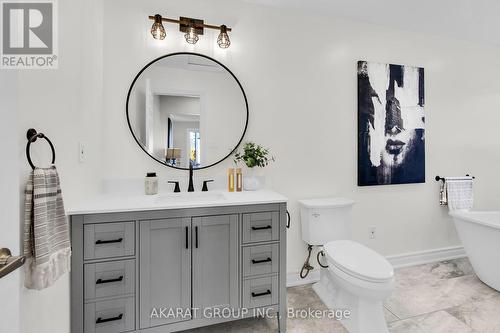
<point>373,232</point>
<point>81,152</point>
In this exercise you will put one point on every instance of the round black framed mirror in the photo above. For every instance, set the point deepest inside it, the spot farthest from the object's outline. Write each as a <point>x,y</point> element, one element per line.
<point>187,108</point>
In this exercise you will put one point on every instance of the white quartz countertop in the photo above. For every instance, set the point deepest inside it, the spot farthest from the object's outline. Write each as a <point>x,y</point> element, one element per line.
<point>116,203</point>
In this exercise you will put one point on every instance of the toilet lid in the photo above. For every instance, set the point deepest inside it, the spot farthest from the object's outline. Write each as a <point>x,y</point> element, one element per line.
<point>358,260</point>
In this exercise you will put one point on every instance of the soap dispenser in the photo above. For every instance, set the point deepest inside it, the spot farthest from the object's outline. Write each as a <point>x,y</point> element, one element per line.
<point>230,180</point>
<point>151,183</point>
<point>239,180</point>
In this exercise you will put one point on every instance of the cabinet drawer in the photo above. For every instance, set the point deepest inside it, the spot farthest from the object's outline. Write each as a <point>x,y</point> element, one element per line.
<point>108,240</point>
<point>260,259</point>
<point>260,227</point>
<point>110,316</point>
<point>115,278</point>
<point>260,292</point>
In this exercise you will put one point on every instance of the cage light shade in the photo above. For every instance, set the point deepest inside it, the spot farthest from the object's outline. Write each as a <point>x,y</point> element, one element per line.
<point>191,36</point>
<point>223,39</point>
<point>157,30</point>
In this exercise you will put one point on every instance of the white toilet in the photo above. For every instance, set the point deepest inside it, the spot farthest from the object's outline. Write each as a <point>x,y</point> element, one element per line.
<point>357,279</point>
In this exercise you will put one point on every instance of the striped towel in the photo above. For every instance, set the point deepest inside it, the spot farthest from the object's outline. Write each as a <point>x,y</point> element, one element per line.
<point>460,192</point>
<point>46,232</point>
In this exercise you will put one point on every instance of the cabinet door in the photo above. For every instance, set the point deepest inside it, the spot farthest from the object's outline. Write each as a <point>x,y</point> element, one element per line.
<point>165,271</point>
<point>215,262</point>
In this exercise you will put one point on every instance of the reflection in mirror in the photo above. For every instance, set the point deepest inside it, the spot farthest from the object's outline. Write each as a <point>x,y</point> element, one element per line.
<point>186,108</point>
<point>182,130</point>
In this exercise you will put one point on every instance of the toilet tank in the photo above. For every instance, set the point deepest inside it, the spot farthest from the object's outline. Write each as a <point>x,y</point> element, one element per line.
<point>326,219</point>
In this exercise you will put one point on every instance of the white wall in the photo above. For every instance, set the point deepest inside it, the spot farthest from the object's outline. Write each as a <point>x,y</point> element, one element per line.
<point>65,104</point>
<point>299,73</point>
<point>9,201</point>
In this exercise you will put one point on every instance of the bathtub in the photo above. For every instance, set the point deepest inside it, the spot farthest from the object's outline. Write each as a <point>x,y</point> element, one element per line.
<point>480,235</point>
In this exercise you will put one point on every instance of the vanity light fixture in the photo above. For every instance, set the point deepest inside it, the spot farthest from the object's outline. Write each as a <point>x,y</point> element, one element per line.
<point>191,35</point>
<point>223,39</point>
<point>158,30</point>
<point>192,29</point>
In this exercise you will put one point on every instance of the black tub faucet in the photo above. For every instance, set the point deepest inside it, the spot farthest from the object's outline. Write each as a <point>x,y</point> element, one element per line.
<point>191,186</point>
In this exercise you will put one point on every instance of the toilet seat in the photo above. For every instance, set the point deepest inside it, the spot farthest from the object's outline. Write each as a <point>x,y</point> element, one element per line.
<point>358,261</point>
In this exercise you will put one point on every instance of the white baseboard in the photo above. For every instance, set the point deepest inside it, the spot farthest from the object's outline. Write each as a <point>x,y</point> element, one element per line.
<point>294,279</point>
<point>425,257</point>
<point>397,261</point>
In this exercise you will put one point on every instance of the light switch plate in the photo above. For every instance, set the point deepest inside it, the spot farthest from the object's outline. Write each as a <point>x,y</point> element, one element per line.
<point>81,152</point>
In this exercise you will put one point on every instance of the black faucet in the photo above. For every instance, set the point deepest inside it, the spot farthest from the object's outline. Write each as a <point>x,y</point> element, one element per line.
<point>205,185</point>
<point>191,186</point>
<point>177,188</point>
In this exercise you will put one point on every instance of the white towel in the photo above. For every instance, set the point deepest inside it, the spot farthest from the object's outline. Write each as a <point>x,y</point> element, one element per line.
<point>46,232</point>
<point>460,193</point>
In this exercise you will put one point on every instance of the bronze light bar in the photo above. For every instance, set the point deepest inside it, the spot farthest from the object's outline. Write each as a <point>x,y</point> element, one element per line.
<point>191,27</point>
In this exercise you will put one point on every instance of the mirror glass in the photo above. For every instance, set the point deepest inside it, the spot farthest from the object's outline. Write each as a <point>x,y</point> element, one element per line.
<point>187,108</point>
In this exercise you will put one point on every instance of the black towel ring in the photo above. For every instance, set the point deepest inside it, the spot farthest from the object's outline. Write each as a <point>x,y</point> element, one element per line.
<point>32,136</point>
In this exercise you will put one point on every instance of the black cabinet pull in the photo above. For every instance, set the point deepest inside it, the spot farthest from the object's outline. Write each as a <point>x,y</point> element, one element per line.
<point>196,236</point>
<point>267,292</point>
<point>101,281</point>
<point>106,320</point>
<point>262,228</point>
<point>99,242</point>
<point>289,219</point>
<point>261,261</point>
<point>187,238</point>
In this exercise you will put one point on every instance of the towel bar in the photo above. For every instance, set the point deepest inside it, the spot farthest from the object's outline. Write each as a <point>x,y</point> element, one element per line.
<point>443,179</point>
<point>8,263</point>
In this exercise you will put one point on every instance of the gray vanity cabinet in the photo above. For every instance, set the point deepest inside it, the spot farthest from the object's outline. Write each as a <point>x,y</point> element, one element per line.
<point>215,262</point>
<point>165,270</point>
<point>130,270</point>
<point>176,252</point>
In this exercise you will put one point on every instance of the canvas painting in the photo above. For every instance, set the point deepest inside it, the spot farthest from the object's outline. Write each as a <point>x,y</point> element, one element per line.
<point>391,124</point>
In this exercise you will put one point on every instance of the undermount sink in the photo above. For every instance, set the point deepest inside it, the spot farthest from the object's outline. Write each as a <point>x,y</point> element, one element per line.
<point>191,197</point>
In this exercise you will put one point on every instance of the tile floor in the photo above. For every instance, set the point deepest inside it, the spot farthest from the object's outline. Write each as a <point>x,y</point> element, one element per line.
<point>432,298</point>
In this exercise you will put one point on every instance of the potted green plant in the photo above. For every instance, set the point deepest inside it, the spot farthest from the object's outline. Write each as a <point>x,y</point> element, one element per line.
<point>252,155</point>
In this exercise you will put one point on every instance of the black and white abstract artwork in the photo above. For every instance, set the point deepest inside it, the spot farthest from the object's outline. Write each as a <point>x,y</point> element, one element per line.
<point>391,124</point>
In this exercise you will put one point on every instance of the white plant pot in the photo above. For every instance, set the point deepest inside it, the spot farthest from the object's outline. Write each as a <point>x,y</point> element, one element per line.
<point>251,181</point>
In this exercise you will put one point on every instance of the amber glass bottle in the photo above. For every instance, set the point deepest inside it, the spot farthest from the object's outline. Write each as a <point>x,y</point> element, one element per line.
<point>230,180</point>
<point>239,180</point>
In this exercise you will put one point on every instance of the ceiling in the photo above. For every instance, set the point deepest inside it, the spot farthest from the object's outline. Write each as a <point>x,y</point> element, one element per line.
<point>473,20</point>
